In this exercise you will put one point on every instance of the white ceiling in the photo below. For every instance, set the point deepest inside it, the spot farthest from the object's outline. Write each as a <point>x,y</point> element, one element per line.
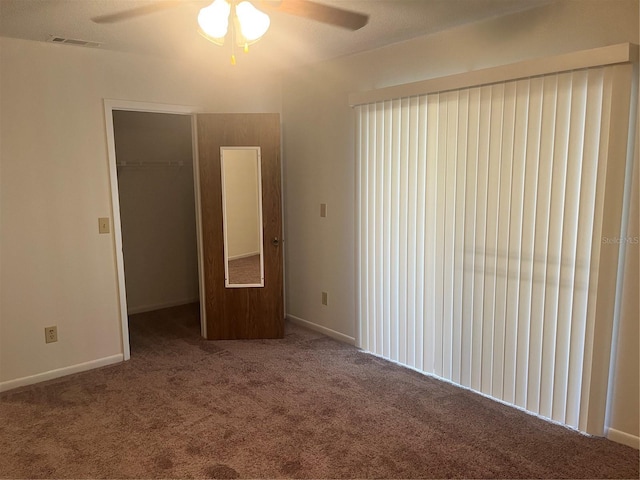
<point>289,42</point>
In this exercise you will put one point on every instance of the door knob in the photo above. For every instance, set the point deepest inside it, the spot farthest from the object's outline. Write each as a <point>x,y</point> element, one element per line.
<point>275,242</point>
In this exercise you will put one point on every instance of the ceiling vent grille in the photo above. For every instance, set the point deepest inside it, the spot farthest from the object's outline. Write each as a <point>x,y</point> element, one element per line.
<point>72,41</point>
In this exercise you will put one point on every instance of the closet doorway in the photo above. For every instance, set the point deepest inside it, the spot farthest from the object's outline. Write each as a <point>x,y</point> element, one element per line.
<point>153,185</point>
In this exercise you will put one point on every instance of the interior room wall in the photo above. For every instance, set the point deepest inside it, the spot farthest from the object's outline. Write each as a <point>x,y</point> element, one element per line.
<point>157,209</point>
<point>319,143</point>
<point>241,207</point>
<point>55,268</point>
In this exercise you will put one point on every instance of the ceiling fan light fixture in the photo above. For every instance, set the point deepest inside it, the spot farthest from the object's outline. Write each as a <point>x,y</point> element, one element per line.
<point>214,21</point>
<point>253,23</point>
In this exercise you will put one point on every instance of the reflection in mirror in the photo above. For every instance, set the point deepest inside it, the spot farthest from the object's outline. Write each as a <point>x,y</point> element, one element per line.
<point>242,216</point>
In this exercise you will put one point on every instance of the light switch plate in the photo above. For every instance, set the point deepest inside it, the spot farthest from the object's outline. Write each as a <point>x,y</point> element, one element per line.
<point>103,225</point>
<point>323,210</point>
<point>324,298</point>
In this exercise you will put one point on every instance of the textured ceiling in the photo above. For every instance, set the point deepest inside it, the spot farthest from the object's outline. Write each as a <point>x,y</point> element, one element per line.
<point>290,41</point>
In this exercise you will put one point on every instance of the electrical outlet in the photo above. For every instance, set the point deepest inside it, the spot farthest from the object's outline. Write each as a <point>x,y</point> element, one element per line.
<point>324,298</point>
<point>51,334</point>
<point>103,225</point>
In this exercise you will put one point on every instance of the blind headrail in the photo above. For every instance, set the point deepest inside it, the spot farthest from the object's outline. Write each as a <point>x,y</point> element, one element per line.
<point>610,55</point>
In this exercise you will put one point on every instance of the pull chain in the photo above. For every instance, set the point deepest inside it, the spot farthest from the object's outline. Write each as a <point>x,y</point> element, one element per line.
<point>233,34</point>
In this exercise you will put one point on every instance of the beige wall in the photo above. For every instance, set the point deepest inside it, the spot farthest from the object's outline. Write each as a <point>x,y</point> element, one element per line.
<point>54,266</point>
<point>241,203</point>
<point>157,209</point>
<point>319,125</point>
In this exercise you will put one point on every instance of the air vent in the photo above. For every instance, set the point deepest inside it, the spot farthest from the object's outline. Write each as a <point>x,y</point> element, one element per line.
<point>73,41</point>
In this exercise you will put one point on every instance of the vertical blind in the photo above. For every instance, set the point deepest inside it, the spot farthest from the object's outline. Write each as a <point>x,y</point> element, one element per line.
<point>479,234</point>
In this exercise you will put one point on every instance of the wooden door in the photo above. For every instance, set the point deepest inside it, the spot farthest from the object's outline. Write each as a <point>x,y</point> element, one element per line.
<point>235,313</point>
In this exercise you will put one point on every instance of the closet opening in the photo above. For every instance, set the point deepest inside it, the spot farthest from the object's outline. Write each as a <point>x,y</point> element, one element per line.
<point>157,212</point>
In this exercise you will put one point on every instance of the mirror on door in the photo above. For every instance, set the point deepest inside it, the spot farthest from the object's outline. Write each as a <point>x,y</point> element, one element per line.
<point>242,216</point>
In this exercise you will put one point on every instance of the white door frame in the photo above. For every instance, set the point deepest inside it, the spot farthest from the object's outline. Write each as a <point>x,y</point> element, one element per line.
<point>109,107</point>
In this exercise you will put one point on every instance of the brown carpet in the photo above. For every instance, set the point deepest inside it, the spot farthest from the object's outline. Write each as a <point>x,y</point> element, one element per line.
<point>245,270</point>
<point>305,406</point>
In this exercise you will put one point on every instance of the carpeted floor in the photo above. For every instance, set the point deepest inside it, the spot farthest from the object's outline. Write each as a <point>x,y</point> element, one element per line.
<point>305,407</point>
<point>243,271</point>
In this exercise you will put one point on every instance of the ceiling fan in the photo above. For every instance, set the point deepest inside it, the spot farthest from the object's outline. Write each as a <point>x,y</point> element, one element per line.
<point>246,22</point>
<point>302,8</point>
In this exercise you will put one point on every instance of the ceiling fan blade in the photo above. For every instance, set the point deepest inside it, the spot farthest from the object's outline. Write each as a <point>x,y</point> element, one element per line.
<point>321,13</point>
<point>137,11</point>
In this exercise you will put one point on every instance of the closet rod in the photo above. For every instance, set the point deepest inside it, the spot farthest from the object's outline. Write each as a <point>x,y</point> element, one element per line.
<point>151,164</point>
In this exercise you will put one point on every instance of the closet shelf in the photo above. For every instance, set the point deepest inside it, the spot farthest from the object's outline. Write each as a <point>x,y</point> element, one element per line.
<point>151,164</point>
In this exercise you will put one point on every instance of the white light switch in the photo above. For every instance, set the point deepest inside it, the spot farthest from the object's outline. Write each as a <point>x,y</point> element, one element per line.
<point>103,225</point>
<point>323,210</point>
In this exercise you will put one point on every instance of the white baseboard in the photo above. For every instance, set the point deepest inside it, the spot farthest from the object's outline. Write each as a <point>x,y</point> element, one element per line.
<point>60,372</point>
<point>160,306</point>
<point>341,337</point>
<point>244,255</point>
<point>622,437</point>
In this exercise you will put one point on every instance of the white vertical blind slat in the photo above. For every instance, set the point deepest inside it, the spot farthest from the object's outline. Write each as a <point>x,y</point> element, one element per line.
<point>364,228</point>
<point>412,163</point>
<point>370,225</point>
<point>421,232</point>
<point>555,257</point>
<point>403,137</point>
<point>591,146</point>
<point>450,184</point>
<point>360,291</point>
<point>432,256</point>
<point>439,335</point>
<point>396,128</point>
<point>481,218</point>
<point>514,253</point>
<point>491,235</point>
<point>534,129</point>
<point>569,239</point>
<point>469,235</point>
<point>502,248</point>
<point>375,248</point>
<point>541,242</point>
<point>596,235</point>
<point>459,241</point>
<point>386,226</point>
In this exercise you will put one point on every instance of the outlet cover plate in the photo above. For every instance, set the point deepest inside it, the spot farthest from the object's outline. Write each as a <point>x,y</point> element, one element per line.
<point>50,334</point>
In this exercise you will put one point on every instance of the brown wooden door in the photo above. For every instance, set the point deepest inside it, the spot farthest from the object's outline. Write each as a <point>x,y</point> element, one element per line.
<point>235,313</point>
